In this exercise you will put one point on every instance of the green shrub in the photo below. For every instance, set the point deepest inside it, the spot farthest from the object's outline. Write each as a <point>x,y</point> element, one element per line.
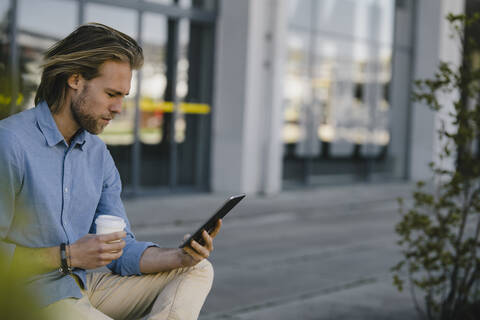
<point>439,232</point>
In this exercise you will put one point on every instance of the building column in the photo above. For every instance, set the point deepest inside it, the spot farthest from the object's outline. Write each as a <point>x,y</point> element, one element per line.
<point>247,112</point>
<point>432,45</point>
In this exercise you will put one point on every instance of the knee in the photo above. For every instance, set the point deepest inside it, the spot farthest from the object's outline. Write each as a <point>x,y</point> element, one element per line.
<point>206,269</point>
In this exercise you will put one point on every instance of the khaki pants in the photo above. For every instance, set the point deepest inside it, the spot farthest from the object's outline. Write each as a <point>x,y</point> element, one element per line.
<point>178,294</point>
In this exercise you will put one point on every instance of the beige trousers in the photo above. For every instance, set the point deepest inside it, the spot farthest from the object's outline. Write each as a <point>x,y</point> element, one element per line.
<point>177,294</point>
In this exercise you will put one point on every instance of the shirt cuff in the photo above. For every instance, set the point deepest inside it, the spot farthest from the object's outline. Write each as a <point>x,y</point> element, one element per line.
<point>7,250</point>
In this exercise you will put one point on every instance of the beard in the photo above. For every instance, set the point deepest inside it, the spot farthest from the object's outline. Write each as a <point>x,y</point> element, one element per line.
<point>81,115</point>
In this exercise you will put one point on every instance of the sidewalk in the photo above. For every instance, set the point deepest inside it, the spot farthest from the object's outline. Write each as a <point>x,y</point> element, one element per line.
<point>178,209</point>
<point>322,253</point>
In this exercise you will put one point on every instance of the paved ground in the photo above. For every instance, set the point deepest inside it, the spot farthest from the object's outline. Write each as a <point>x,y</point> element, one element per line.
<point>315,254</point>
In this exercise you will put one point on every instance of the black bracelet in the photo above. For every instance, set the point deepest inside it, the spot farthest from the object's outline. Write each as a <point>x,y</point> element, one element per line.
<point>64,268</point>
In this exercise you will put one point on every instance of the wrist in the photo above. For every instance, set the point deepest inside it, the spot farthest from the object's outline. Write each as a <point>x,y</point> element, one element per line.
<point>181,258</point>
<point>72,250</point>
<point>186,259</point>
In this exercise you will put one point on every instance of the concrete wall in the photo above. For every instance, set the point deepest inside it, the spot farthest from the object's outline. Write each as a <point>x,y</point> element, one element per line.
<point>432,45</point>
<point>246,136</point>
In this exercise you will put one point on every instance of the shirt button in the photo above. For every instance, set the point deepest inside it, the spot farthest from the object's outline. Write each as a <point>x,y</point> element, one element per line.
<point>66,190</point>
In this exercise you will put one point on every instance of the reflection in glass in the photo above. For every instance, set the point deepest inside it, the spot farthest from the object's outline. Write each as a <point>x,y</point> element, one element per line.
<point>153,107</point>
<point>5,77</point>
<point>119,134</point>
<point>184,121</point>
<point>197,4</point>
<point>4,5</point>
<point>182,79</point>
<point>351,19</point>
<point>338,17</point>
<point>161,1</point>
<point>299,13</point>
<point>337,80</point>
<point>124,20</point>
<point>34,37</point>
<point>297,89</point>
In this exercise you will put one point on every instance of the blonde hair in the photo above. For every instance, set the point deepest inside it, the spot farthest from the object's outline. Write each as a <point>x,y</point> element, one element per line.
<point>83,52</point>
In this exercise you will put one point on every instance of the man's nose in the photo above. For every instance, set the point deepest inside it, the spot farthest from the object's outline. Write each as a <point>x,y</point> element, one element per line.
<point>116,107</point>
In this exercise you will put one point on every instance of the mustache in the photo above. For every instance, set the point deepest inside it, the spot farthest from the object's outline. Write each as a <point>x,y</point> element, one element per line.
<point>109,117</point>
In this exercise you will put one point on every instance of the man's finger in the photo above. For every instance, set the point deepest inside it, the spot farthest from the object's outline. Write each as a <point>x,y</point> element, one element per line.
<point>114,246</point>
<point>112,236</point>
<point>207,240</point>
<point>201,250</point>
<point>111,255</point>
<point>215,231</point>
<point>192,253</point>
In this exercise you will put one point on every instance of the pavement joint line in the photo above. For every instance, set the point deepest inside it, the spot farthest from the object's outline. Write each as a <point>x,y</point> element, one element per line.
<point>339,206</point>
<point>352,205</point>
<point>262,218</point>
<point>231,314</point>
<point>233,223</point>
<point>328,252</point>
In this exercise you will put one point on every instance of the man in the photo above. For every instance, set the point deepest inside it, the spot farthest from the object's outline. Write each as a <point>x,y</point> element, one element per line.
<point>58,177</point>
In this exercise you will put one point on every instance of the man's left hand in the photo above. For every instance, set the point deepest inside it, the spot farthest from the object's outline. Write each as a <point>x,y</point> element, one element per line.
<point>195,252</point>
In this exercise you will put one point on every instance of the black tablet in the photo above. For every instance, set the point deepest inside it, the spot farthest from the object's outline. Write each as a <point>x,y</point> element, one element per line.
<point>212,222</point>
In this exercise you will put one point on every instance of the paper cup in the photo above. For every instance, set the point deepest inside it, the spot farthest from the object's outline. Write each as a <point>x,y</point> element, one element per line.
<point>108,224</point>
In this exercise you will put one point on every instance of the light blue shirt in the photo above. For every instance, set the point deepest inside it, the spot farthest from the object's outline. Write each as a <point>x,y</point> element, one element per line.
<point>51,192</point>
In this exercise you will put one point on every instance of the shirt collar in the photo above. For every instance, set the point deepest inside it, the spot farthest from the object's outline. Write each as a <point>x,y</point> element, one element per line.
<point>80,138</point>
<point>49,128</point>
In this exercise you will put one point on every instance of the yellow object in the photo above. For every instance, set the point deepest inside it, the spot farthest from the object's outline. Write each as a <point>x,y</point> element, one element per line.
<point>8,99</point>
<point>148,105</point>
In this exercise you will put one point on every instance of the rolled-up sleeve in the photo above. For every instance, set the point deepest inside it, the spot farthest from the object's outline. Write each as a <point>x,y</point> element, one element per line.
<point>111,203</point>
<point>10,185</point>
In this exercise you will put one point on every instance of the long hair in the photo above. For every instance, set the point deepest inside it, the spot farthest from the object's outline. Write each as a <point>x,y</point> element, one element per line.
<point>83,52</point>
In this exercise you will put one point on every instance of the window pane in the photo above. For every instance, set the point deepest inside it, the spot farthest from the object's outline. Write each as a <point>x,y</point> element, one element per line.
<point>299,13</point>
<point>5,77</point>
<point>338,75</point>
<point>4,4</point>
<point>185,121</point>
<point>367,20</point>
<point>119,134</point>
<point>297,97</point>
<point>35,36</point>
<point>124,20</point>
<point>194,87</point>
<point>197,4</point>
<point>161,1</point>
<point>154,125</point>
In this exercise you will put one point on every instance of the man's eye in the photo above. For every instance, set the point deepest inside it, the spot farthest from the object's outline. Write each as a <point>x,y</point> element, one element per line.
<point>110,95</point>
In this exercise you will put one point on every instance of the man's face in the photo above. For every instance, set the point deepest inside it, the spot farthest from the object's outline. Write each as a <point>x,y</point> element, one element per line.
<point>100,99</point>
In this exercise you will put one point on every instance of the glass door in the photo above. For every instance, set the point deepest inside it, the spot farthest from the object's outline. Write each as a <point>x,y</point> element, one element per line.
<point>174,103</point>
<point>337,105</point>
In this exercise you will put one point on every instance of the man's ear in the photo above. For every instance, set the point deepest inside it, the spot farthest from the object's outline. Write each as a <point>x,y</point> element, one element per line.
<point>75,81</point>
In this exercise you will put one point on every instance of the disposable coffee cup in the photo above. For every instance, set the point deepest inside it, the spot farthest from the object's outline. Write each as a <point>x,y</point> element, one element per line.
<point>109,224</point>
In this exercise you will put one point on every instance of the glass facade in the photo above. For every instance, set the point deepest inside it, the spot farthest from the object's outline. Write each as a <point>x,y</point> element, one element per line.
<point>154,124</point>
<point>336,107</point>
<point>158,140</point>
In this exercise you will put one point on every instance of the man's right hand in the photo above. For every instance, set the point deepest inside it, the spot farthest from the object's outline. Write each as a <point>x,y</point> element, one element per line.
<point>95,251</point>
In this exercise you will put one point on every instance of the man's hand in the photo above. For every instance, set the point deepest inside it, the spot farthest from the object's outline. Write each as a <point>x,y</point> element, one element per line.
<point>195,252</point>
<point>95,251</point>
<point>161,259</point>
